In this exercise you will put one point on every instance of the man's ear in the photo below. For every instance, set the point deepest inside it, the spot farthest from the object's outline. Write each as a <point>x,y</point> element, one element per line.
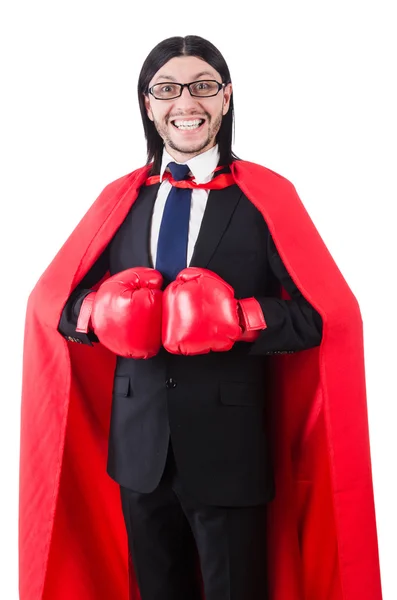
<point>148,107</point>
<point>227,94</point>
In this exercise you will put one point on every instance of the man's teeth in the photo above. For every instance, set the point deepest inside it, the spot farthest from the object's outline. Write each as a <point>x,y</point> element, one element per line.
<point>188,124</point>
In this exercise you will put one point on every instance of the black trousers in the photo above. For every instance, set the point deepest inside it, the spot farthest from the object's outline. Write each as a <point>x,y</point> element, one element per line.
<point>168,531</point>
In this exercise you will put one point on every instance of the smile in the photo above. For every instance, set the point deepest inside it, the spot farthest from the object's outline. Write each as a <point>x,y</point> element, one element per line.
<point>191,125</point>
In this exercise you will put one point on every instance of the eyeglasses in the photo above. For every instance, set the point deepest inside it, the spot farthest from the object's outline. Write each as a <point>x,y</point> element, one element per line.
<point>167,90</point>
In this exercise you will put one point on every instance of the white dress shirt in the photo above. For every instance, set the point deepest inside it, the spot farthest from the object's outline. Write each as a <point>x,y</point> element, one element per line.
<point>202,168</point>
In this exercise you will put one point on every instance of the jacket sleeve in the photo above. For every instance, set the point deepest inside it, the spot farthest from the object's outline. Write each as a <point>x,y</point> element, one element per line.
<point>292,325</point>
<point>70,313</point>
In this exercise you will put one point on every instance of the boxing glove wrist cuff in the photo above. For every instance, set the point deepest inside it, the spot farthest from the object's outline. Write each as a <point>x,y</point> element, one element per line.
<point>84,321</point>
<point>251,315</point>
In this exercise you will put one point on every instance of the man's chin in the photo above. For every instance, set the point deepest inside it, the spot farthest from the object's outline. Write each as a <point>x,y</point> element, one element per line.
<point>187,146</point>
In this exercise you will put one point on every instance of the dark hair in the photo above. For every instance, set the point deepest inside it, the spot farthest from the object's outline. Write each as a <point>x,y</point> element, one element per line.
<point>191,45</point>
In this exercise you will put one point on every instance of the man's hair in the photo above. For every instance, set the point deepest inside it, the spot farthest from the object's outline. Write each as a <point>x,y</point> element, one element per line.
<point>191,45</point>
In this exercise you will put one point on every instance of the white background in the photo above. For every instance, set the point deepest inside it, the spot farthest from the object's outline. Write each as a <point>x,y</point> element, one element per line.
<point>315,100</point>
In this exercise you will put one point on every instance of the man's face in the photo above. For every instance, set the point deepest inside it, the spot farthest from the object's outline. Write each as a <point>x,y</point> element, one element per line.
<point>183,144</point>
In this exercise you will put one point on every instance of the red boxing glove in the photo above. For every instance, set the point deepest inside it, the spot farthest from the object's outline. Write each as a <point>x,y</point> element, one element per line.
<point>200,314</point>
<point>126,312</point>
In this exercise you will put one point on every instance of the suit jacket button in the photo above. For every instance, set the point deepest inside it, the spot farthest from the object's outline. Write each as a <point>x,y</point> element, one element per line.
<point>170,383</point>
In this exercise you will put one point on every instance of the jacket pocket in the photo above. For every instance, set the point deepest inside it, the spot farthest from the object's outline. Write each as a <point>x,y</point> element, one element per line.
<point>241,393</point>
<point>121,385</point>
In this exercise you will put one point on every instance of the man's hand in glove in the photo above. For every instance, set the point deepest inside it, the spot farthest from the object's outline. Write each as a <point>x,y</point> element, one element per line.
<point>125,312</point>
<point>200,314</point>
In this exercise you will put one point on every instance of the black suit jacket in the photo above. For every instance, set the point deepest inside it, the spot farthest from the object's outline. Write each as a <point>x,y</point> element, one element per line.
<point>212,405</point>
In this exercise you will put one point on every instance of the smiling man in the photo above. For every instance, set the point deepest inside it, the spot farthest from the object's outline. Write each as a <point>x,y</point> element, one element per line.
<point>195,335</point>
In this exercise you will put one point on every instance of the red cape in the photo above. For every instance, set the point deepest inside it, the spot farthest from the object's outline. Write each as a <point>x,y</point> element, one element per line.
<point>321,526</point>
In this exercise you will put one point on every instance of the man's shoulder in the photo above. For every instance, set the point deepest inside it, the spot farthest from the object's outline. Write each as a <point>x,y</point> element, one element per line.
<point>128,178</point>
<point>249,170</point>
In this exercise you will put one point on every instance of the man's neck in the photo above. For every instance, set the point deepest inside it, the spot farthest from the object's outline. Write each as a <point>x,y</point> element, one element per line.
<point>183,157</point>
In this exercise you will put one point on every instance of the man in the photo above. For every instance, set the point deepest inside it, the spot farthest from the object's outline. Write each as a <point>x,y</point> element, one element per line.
<point>180,277</point>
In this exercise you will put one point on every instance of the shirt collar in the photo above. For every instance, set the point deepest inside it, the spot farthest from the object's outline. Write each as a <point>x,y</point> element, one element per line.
<point>201,166</point>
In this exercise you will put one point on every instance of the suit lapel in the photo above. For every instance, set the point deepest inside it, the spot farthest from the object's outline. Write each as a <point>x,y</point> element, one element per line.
<point>140,225</point>
<point>218,211</point>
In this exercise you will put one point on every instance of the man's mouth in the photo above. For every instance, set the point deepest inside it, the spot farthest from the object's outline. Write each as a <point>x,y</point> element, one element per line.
<point>187,124</point>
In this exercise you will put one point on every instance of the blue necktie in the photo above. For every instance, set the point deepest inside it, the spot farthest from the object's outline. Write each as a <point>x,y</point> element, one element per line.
<point>174,228</point>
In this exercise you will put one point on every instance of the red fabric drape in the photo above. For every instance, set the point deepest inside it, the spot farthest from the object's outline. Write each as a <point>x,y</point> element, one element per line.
<point>322,538</point>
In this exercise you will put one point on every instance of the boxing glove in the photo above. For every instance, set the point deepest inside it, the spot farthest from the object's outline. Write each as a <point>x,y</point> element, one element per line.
<point>126,312</point>
<point>201,314</point>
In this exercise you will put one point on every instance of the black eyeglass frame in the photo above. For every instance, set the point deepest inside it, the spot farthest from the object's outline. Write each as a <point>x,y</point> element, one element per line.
<point>183,85</point>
